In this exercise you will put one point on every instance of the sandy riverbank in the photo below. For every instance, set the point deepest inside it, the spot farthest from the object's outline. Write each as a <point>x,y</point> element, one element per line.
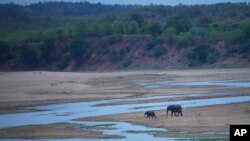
<point>195,121</point>
<point>50,131</point>
<point>20,89</point>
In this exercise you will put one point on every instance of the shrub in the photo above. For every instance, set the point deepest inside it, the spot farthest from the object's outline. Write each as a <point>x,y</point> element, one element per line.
<point>211,58</point>
<point>181,23</point>
<point>170,34</point>
<point>153,43</point>
<point>64,61</point>
<point>118,27</point>
<point>127,61</point>
<point>159,50</point>
<point>4,52</point>
<point>199,53</point>
<point>79,49</point>
<point>133,27</point>
<point>29,55</point>
<point>153,28</point>
<point>184,40</point>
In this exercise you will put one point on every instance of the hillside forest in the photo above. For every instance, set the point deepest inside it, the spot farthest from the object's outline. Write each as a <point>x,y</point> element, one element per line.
<point>86,36</point>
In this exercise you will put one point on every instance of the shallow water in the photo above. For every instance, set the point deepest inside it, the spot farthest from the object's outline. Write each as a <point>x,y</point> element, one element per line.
<point>67,112</point>
<point>60,113</point>
<point>162,84</point>
<point>229,83</point>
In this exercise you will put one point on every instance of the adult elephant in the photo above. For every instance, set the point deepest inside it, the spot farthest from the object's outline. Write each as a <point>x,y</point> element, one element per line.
<point>149,114</point>
<point>175,109</point>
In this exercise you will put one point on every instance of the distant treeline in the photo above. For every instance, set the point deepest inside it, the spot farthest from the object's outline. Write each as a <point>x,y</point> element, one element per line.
<point>55,34</point>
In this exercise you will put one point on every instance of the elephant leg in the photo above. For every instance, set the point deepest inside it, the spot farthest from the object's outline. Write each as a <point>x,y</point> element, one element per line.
<point>171,113</point>
<point>181,113</point>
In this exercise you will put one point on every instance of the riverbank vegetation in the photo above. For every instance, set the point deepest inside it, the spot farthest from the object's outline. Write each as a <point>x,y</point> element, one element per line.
<point>79,36</point>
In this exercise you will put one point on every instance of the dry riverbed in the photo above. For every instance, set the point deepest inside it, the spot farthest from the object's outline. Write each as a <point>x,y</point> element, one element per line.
<point>19,90</point>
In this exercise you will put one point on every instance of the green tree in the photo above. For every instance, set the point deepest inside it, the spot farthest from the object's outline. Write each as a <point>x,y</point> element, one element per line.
<point>107,29</point>
<point>127,60</point>
<point>64,61</point>
<point>95,30</point>
<point>170,34</point>
<point>181,23</point>
<point>79,49</point>
<point>154,42</point>
<point>136,16</point>
<point>81,29</point>
<point>153,28</point>
<point>199,53</point>
<point>159,50</point>
<point>205,21</point>
<point>4,52</point>
<point>48,51</point>
<point>133,27</point>
<point>29,55</point>
<point>244,39</point>
<point>118,27</point>
<point>184,40</point>
<point>211,58</point>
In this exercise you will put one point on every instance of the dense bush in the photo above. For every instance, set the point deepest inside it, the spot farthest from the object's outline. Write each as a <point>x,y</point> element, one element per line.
<point>64,61</point>
<point>127,60</point>
<point>159,50</point>
<point>79,49</point>
<point>201,33</point>
<point>184,40</point>
<point>133,27</point>
<point>199,54</point>
<point>211,58</point>
<point>4,52</point>
<point>29,55</point>
<point>154,41</point>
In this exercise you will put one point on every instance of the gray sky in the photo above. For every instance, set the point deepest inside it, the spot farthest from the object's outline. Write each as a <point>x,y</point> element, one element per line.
<point>143,2</point>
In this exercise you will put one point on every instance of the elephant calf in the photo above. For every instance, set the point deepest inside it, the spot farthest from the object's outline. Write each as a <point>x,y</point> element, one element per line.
<point>149,114</point>
<point>175,109</point>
